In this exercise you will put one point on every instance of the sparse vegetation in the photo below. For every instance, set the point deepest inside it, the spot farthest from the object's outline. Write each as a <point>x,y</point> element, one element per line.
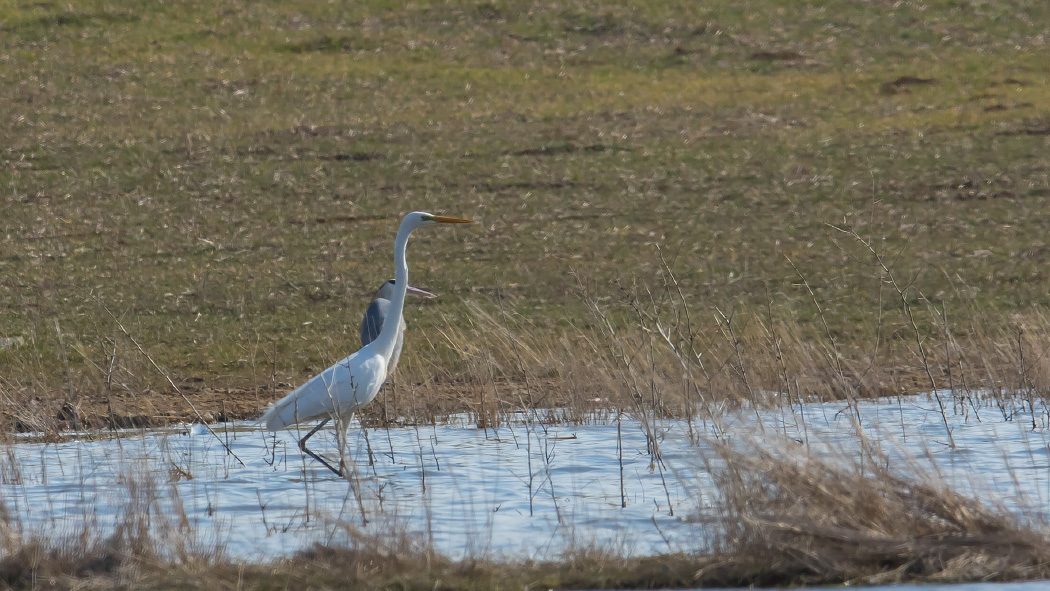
<point>680,205</point>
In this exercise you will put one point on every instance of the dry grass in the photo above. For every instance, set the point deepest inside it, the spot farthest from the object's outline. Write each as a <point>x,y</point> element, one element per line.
<point>646,349</point>
<point>857,520</point>
<point>651,349</point>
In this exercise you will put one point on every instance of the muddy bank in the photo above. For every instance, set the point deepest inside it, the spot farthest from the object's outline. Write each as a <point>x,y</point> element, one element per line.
<point>397,404</point>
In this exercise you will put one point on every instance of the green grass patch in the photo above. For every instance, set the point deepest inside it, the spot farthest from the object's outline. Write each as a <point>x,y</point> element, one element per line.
<point>227,178</point>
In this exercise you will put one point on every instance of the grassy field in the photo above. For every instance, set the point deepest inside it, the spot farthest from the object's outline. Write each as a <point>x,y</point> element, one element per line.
<point>208,192</point>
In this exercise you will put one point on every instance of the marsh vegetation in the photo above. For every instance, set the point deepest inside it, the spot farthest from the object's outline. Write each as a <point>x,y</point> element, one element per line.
<point>685,210</point>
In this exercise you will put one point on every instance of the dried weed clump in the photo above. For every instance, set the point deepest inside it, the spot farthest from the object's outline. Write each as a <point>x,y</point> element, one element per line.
<point>797,519</point>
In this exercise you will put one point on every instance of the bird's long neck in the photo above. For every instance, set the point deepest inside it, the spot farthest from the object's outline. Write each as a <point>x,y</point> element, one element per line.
<point>387,338</point>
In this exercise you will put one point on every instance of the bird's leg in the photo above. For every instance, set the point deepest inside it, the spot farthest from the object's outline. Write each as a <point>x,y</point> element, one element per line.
<point>302,446</point>
<point>343,425</point>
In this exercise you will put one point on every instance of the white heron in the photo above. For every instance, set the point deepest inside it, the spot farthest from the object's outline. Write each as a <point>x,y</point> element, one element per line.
<point>377,313</point>
<point>337,392</point>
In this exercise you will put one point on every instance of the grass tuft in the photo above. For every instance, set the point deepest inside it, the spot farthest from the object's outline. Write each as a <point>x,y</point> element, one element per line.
<point>806,520</point>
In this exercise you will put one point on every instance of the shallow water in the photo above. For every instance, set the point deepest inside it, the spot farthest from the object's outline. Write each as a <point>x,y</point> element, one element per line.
<point>521,490</point>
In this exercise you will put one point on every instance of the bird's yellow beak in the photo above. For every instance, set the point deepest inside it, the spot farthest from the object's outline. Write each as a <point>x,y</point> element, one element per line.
<point>444,219</point>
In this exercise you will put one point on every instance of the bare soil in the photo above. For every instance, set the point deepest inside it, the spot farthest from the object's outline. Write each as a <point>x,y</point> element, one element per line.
<point>405,404</point>
<point>400,404</point>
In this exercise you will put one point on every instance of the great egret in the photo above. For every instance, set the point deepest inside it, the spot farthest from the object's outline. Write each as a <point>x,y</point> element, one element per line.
<point>337,392</point>
<point>376,316</point>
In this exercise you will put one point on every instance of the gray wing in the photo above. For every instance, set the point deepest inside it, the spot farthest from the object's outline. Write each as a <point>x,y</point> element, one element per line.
<point>372,323</point>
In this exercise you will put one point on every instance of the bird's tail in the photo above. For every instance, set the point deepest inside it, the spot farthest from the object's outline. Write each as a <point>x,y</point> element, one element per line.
<point>281,414</point>
<point>311,401</point>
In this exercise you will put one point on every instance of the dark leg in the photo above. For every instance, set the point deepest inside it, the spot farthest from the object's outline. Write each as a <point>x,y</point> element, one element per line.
<point>302,446</point>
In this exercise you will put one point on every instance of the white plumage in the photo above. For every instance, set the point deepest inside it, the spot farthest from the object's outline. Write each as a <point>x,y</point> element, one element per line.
<point>337,392</point>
